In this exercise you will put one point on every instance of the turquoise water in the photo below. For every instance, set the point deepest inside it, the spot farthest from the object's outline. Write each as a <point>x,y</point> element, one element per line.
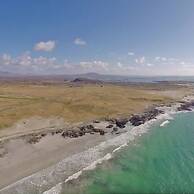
<point>161,161</point>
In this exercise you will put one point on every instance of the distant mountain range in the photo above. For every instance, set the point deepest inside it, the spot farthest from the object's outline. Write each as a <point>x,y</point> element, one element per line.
<point>130,78</point>
<point>95,77</point>
<point>6,73</point>
<point>70,77</point>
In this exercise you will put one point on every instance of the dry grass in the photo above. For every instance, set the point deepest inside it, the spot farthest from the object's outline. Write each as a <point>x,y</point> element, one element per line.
<point>74,104</point>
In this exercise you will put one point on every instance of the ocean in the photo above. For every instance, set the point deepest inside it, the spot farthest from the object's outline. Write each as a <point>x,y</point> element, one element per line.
<point>160,161</point>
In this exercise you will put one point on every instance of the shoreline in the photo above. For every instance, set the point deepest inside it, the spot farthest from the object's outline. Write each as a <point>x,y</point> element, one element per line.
<point>104,142</point>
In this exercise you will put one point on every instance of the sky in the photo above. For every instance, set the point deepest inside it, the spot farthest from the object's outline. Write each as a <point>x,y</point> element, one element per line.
<point>125,37</point>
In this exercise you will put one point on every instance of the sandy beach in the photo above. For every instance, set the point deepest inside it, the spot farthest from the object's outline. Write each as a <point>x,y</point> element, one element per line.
<point>19,158</point>
<point>54,159</point>
<point>33,149</point>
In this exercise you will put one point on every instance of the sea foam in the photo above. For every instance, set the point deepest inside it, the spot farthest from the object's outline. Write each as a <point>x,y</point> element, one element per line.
<point>164,123</point>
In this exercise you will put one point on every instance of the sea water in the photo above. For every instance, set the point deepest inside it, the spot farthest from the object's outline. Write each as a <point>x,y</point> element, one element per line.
<point>160,161</point>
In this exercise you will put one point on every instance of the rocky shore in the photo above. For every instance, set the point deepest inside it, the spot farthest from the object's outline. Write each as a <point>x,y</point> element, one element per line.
<point>108,125</point>
<point>186,106</point>
<point>44,148</point>
<point>113,126</point>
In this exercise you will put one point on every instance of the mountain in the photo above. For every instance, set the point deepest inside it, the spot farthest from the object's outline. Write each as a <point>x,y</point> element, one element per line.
<point>87,81</point>
<point>96,76</point>
<point>6,73</point>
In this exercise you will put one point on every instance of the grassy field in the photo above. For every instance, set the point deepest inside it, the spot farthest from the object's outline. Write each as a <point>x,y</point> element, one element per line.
<point>78,103</point>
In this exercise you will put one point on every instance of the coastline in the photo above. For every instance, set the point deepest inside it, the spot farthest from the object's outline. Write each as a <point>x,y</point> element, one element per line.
<point>92,155</point>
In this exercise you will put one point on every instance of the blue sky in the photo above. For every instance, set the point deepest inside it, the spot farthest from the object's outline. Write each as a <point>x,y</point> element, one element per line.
<point>127,37</point>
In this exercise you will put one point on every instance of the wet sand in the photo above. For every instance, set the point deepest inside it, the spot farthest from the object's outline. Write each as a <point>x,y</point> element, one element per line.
<point>22,159</point>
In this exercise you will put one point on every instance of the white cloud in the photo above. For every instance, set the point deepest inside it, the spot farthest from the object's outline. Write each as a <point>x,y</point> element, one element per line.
<point>119,64</point>
<point>79,41</point>
<point>150,64</point>
<point>157,58</point>
<point>94,65</point>
<point>164,59</point>
<point>131,53</point>
<point>45,46</point>
<point>182,63</point>
<point>6,59</point>
<point>140,60</point>
<point>26,63</point>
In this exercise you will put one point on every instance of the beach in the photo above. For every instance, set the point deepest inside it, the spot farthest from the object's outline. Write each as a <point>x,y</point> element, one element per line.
<point>39,153</point>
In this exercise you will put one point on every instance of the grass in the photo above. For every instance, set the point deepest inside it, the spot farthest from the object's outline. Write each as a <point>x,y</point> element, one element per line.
<point>74,104</point>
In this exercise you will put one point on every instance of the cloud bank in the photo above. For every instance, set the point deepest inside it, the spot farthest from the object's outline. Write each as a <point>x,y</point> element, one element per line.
<point>26,63</point>
<point>45,46</point>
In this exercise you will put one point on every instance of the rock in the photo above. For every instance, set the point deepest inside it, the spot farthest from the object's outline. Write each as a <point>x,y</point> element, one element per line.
<point>109,126</point>
<point>71,134</point>
<point>86,81</point>
<point>87,128</point>
<point>81,133</point>
<point>183,108</point>
<point>65,134</point>
<point>137,120</point>
<point>59,131</point>
<point>186,106</point>
<point>121,122</point>
<point>102,132</point>
<point>96,130</point>
<point>82,128</point>
<point>43,134</point>
<point>33,139</point>
<point>90,127</point>
<point>115,129</point>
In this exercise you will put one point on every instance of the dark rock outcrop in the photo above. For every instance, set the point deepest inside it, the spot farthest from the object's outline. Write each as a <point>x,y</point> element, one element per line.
<point>59,131</point>
<point>87,128</point>
<point>101,131</point>
<point>115,130</point>
<point>71,133</point>
<point>109,126</point>
<point>186,106</point>
<point>121,122</point>
<point>137,120</point>
<point>74,133</point>
<point>87,81</point>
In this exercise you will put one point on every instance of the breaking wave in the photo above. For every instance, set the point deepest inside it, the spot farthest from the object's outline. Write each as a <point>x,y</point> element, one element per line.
<point>164,123</point>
